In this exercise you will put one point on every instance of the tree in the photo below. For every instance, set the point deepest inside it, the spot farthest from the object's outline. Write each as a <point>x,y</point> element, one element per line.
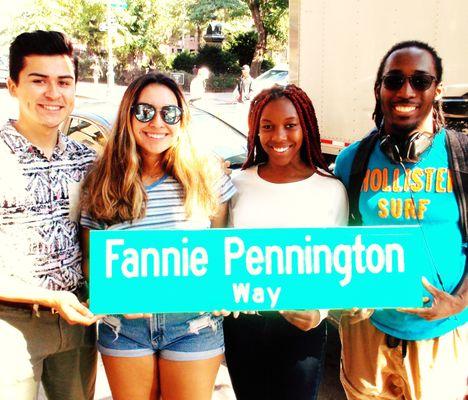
<point>184,61</point>
<point>243,45</point>
<point>217,60</point>
<point>79,19</point>
<point>44,15</point>
<point>84,18</point>
<point>266,15</point>
<point>202,12</point>
<point>145,26</point>
<point>140,34</point>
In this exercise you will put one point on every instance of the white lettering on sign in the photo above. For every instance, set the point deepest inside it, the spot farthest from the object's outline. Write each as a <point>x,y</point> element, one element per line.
<point>169,261</point>
<point>310,259</point>
<point>343,260</point>
<point>243,293</point>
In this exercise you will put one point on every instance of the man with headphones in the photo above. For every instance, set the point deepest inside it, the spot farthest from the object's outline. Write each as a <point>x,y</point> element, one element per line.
<point>410,170</point>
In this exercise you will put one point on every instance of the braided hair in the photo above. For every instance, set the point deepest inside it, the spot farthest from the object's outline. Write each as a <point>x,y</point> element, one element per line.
<point>438,115</point>
<point>311,153</point>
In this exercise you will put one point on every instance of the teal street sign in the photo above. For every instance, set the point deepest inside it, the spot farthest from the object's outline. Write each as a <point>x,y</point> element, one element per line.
<point>256,269</point>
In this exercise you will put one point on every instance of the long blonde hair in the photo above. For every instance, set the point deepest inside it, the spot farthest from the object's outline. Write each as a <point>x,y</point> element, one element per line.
<point>114,192</point>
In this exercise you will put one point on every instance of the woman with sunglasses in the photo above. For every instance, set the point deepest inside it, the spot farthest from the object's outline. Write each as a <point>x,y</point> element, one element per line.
<point>150,177</point>
<point>275,355</point>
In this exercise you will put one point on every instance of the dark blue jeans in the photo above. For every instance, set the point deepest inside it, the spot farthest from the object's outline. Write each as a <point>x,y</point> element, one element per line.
<point>268,358</point>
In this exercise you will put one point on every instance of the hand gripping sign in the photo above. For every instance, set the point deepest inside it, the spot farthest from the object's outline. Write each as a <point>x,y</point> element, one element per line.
<point>256,269</point>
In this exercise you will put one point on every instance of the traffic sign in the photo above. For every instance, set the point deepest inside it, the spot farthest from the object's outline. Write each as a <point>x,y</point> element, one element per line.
<point>178,77</point>
<point>122,4</point>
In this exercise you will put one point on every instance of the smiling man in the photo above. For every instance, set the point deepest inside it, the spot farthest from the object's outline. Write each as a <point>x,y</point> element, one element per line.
<point>412,353</point>
<point>44,333</point>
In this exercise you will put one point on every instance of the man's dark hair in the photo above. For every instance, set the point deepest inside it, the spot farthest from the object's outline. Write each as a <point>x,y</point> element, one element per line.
<point>377,116</point>
<point>47,43</point>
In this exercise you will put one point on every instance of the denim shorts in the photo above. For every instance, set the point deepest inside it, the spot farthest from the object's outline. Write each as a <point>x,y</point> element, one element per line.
<point>176,337</point>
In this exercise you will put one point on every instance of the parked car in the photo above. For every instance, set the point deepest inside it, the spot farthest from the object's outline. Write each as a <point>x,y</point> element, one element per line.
<point>91,126</point>
<point>277,75</point>
<point>4,72</point>
<point>455,106</point>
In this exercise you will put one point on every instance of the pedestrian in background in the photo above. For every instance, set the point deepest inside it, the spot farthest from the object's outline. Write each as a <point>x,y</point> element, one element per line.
<point>279,355</point>
<point>198,84</point>
<point>97,71</point>
<point>244,88</point>
<point>161,183</point>
<point>43,332</point>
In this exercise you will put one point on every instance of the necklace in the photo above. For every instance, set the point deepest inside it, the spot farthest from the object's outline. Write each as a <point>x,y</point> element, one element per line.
<point>150,178</point>
<point>152,172</point>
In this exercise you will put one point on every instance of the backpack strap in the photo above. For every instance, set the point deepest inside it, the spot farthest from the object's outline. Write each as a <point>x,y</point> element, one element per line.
<point>457,146</point>
<point>358,172</point>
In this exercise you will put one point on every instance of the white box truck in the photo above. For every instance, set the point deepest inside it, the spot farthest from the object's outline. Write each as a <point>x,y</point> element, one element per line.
<point>336,47</point>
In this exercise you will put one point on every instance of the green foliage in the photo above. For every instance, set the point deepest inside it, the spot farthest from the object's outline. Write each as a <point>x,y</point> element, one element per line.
<point>44,15</point>
<point>270,19</point>
<point>275,13</point>
<point>201,12</point>
<point>242,46</point>
<point>85,72</point>
<point>146,26</point>
<point>184,61</point>
<point>140,33</point>
<point>267,64</point>
<point>84,24</point>
<point>78,19</point>
<point>126,75</point>
<point>221,82</point>
<point>217,60</point>
<point>276,21</point>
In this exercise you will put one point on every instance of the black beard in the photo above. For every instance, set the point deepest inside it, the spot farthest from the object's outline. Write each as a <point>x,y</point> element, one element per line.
<point>401,133</point>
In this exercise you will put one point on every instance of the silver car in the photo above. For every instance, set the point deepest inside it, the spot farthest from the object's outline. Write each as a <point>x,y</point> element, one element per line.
<point>277,75</point>
<point>91,126</point>
<point>4,73</point>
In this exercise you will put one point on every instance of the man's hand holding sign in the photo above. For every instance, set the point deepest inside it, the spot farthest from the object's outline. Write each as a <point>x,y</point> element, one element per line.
<point>443,305</point>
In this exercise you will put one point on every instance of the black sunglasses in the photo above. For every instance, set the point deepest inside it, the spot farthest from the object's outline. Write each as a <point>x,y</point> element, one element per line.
<point>144,112</point>
<point>419,82</point>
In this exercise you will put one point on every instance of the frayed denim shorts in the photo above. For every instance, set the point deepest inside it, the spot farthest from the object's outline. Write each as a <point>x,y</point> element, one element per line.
<point>176,337</point>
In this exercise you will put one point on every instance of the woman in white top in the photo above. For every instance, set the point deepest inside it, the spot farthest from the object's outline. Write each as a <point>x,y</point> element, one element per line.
<point>285,182</point>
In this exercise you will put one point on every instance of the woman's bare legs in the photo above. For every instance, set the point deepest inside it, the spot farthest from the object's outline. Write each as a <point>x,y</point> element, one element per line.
<point>188,380</point>
<point>132,377</point>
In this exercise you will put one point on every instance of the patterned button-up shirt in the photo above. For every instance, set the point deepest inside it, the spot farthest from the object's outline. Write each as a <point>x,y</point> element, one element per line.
<point>39,210</point>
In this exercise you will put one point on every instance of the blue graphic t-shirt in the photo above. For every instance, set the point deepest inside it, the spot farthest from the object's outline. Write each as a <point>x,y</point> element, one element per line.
<point>386,199</point>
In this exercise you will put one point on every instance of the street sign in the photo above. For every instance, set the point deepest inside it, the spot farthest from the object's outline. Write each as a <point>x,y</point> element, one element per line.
<point>122,4</point>
<point>178,77</point>
<point>147,271</point>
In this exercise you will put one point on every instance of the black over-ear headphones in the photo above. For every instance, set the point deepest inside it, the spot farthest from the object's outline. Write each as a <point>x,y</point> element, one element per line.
<point>407,150</point>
